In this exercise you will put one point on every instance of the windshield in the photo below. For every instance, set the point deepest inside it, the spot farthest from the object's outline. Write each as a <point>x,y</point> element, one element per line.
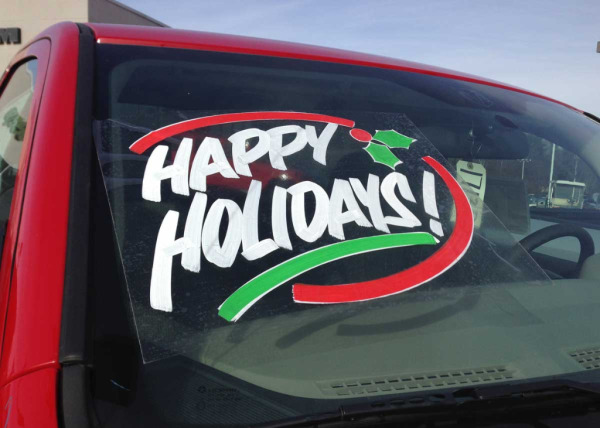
<point>291,235</point>
<point>566,191</point>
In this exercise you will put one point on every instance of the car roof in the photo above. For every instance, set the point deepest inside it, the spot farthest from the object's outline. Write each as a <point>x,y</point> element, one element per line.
<point>185,39</point>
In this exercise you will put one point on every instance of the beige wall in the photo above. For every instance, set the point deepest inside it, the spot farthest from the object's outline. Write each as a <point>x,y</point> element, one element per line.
<point>33,16</point>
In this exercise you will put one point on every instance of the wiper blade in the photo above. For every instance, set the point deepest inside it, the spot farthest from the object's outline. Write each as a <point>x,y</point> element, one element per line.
<point>516,390</point>
<point>524,397</point>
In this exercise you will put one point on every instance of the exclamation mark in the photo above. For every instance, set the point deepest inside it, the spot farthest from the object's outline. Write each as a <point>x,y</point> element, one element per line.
<point>429,202</point>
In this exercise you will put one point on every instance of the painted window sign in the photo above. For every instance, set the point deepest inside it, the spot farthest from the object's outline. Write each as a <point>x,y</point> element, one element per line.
<point>234,208</point>
<point>332,211</point>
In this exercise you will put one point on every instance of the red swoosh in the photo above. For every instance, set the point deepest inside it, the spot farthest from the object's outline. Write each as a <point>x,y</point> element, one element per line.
<point>150,139</point>
<point>454,248</point>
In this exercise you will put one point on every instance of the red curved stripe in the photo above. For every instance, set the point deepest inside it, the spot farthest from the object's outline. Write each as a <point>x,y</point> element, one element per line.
<point>439,262</point>
<point>150,139</point>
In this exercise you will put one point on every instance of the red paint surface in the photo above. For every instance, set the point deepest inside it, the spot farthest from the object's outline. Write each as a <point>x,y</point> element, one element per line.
<point>360,135</point>
<point>440,261</point>
<point>150,139</point>
<point>32,325</point>
<point>183,39</point>
<point>30,401</point>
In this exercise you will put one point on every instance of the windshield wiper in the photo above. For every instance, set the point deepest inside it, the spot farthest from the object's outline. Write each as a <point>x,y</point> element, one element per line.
<point>466,404</point>
<point>551,386</point>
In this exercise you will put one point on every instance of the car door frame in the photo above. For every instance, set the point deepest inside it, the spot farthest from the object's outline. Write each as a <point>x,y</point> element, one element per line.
<point>32,273</point>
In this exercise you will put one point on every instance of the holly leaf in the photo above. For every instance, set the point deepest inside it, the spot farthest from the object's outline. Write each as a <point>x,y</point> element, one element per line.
<point>393,139</point>
<point>382,154</point>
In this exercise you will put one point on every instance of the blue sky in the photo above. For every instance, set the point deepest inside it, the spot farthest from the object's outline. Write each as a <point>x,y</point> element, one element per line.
<point>548,47</point>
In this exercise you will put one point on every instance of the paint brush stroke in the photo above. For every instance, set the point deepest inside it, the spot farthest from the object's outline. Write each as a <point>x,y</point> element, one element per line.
<point>245,296</point>
<point>442,260</point>
<point>150,139</point>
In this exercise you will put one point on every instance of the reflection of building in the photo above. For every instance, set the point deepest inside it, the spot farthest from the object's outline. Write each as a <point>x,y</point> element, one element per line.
<point>21,20</point>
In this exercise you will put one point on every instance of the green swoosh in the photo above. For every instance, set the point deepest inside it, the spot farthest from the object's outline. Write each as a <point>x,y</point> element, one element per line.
<point>249,293</point>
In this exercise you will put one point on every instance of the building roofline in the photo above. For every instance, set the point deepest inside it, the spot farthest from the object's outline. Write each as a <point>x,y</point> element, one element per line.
<point>138,13</point>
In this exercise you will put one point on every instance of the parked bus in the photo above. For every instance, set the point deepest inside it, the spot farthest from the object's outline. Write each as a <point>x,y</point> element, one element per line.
<point>567,194</point>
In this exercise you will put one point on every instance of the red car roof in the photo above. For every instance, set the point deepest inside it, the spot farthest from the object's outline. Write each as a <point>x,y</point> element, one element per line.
<point>172,38</point>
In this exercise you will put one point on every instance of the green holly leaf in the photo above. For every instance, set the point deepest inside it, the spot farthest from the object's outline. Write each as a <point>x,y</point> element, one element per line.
<point>382,154</point>
<point>393,139</point>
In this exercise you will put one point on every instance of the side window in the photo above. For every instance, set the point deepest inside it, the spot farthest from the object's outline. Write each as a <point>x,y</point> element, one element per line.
<point>15,106</point>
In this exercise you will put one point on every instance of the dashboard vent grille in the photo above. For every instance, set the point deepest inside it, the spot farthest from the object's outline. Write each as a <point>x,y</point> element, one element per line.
<point>588,358</point>
<point>416,382</point>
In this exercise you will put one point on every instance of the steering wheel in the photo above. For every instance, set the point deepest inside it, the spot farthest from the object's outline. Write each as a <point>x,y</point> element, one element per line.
<point>547,234</point>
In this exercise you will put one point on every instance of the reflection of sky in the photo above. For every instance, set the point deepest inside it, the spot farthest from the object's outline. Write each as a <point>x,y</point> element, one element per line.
<point>545,46</point>
<point>32,68</point>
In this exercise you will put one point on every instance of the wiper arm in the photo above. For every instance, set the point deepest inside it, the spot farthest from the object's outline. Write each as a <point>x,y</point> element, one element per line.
<point>462,403</point>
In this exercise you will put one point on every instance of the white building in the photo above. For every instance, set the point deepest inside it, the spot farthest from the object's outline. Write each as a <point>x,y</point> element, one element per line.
<point>21,20</point>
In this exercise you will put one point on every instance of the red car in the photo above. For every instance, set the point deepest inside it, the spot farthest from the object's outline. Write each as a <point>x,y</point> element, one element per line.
<point>208,230</point>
